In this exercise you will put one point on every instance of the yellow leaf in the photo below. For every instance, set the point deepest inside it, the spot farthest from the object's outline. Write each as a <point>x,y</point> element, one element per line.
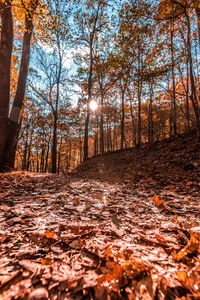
<point>104,200</point>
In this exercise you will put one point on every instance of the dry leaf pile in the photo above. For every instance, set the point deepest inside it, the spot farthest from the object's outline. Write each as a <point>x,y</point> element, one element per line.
<point>121,227</point>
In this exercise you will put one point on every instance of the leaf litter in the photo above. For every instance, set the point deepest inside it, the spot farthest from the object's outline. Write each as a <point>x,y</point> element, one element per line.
<point>86,236</point>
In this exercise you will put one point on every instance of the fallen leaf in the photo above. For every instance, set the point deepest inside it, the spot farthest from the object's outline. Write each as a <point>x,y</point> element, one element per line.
<point>160,238</point>
<point>48,234</point>
<point>157,201</point>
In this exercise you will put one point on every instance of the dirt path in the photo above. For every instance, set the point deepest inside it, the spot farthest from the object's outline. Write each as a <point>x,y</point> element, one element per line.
<point>85,239</point>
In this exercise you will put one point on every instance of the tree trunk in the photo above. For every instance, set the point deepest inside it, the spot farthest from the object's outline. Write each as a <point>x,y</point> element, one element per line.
<point>107,134</point>
<point>29,152</point>
<point>37,162</point>
<point>96,144</point>
<point>133,124</point>
<point>150,119</point>
<point>115,132</point>
<point>55,113</point>
<point>46,159</point>
<point>87,119</point>
<point>139,90</point>
<point>42,159</point>
<point>6,44</point>
<point>86,134</point>
<point>80,148</point>
<point>197,10</point>
<point>54,145</point>
<point>139,131</point>
<point>193,96</point>
<point>173,81</point>
<point>14,148</point>
<point>59,155</point>
<point>187,99</point>
<point>110,138</point>
<point>101,124</point>
<point>69,157</point>
<point>9,151</point>
<point>24,161</point>
<point>122,121</point>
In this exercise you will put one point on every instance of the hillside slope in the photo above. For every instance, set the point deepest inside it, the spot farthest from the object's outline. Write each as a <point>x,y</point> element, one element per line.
<point>173,162</point>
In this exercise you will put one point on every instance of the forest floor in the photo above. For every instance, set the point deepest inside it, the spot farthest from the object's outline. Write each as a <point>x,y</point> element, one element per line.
<point>122,226</point>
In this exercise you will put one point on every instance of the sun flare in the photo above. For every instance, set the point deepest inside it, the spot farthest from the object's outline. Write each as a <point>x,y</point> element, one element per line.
<point>93,105</point>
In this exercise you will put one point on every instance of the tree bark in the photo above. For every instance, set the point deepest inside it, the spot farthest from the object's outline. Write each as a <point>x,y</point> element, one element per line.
<point>174,117</point>
<point>24,161</point>
<point>197,10</point>
<point>101,121</point>
<point>150,119</point>
<point>193,96</point>
<point>55,113</point>
<point>139,131</point>
<point>46,158</point>
<point>139,91</point>
<point>122,121</point>
<point>13,129</point>
<point>96,140</point>
<point>6,44</point>
<point>87,119</point>
<point>29,152</point>
<point>187,99</point>
<point>133,125</point>
<point>54,144</point>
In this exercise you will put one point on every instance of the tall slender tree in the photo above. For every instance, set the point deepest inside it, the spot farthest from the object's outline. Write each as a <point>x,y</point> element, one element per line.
<point>90,21</point>
<point>9,123</point>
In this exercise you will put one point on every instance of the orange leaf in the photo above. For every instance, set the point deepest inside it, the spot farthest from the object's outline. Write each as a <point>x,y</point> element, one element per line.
<point>132,207</point>
<point>188,182</point>
<point>46,261</point>
<point>157,201</point>
<point>108,252</point>
<point>182,276</point>
<point>48,234</point>
<point>160,238</point>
